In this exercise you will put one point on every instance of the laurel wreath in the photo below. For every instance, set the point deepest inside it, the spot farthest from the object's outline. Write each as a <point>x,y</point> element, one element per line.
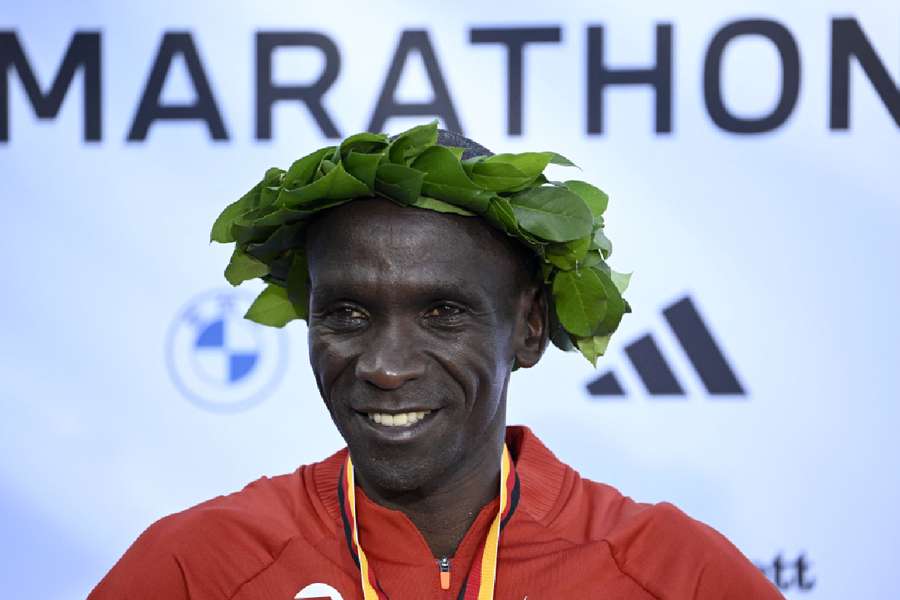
<point>562,222</point>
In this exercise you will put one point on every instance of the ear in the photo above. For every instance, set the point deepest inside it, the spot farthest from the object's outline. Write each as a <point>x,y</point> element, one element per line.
<point>533,329</point>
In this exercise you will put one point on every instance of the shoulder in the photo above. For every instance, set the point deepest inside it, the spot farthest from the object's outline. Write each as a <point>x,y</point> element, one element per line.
<point>657,533</point>
<point>666,552</point>
<point>211,549</point>
<point>253,523</point>
<point>672,555</point>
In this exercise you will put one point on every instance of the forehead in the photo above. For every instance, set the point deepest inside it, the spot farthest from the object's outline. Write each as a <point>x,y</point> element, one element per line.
<point>376,244</point>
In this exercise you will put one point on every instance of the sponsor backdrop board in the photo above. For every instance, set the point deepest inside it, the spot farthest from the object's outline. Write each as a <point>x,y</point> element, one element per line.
<point>751,156</point>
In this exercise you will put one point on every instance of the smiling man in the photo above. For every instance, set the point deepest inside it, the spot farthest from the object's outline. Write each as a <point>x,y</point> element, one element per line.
<point>428,270</point>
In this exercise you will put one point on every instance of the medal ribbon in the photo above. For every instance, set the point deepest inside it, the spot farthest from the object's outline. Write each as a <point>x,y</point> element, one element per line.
<point>479,583</point>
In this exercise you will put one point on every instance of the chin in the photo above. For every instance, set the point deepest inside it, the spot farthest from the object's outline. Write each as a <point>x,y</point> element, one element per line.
<point>398,472</point>
<point>396,480</point>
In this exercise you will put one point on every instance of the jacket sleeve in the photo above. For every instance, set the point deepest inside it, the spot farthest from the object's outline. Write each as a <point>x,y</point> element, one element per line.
<point>675,557</point>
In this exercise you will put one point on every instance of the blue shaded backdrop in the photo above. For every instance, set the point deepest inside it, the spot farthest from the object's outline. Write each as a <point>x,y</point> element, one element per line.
<point>117,411</point>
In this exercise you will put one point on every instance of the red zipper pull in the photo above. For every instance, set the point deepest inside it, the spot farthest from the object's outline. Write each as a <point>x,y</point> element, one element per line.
<point>444,565</point>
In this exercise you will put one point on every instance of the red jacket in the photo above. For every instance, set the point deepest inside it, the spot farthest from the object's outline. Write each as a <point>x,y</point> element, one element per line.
<point>568,538</point>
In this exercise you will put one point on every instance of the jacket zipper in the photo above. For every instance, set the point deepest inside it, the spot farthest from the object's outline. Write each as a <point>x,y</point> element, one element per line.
<point>444,566</point>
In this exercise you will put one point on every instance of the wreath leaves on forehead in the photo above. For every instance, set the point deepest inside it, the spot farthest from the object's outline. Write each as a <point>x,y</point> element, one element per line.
<point>562,222</point>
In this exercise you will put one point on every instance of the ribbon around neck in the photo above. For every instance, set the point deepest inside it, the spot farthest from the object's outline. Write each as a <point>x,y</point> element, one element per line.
<point>480,581</point>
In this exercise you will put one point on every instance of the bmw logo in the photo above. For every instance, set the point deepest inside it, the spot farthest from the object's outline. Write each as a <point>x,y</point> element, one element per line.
<point>219,360</point>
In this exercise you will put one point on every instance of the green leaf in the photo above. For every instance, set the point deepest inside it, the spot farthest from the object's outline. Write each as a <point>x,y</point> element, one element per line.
<point>537,244</point>
<point>580,300</point>
<point>602,243</point>
<point>499,176</point>
<point>298,285</point>
<point>302,170</point>
<point>242,267</point>
<point>566,255</point>
<point>552,213</point>
<point>530,164</point>
<point>615,305</point>
<point>268,195</point>
<point>469,163</point>
<point>457,151</point>
<point>364,143</point>
<point>474,200</point>
<point>594,197</point>
<point>621,280</point>
<point>282,216</point>
<point>221,229</point>
<point>500,214</point>
<point>337,184</point>
<point>445,179</point>
<point>326,166</point>
<point>547,271</point>
<point>272,307</point>
<point>279,268</point>
<point>594,260</point>
<point>441,166</point>
<point>558,334</point>
<point>272,182</point>
<point>559,159</point>
<point>441,206</point>
<point>273,176</point>
<point>284,238</point>
<point>399,182</point>
<point>412,142</point>
<point>245,229</point>
<point>363,167</point>
<point>593,347</point>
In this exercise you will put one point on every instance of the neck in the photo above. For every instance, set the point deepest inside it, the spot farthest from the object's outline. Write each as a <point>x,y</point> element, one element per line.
<point>444,512</point>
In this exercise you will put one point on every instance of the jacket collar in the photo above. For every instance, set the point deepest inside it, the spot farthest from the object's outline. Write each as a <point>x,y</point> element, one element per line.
<point>544,480</point>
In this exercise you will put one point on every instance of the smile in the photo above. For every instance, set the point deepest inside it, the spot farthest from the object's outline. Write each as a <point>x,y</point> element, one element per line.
<point>399,419</point>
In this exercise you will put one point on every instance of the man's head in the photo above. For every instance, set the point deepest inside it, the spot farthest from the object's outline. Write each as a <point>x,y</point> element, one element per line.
<point>425,304</point>
<point>417,311</point>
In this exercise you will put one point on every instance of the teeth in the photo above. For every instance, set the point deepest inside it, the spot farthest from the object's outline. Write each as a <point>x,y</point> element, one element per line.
<point>399,420</point>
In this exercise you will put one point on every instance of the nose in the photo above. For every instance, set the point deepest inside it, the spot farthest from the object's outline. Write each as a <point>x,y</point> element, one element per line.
<point>391,359</point>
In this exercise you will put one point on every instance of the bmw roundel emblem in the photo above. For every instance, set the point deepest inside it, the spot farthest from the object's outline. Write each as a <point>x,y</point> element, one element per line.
<point>219,360</point>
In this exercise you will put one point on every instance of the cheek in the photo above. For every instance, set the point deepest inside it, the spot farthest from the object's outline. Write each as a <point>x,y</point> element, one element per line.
<point>469,368</point>
<point>480,365</point>
<point>328,359</point>
<point>494,371</point>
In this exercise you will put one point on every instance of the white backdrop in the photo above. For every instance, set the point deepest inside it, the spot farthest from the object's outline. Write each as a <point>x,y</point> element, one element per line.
<point>785,242</point>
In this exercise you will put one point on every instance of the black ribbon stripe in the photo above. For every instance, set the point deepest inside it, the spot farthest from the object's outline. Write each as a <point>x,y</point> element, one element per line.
<point>348,532</point>
<point>513,503</point>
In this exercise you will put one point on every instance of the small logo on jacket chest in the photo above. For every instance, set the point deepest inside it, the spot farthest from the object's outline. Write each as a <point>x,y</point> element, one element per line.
<point>318,591</point>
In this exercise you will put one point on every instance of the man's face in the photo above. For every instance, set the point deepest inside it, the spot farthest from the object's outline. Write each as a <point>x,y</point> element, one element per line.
<point>413,311</point>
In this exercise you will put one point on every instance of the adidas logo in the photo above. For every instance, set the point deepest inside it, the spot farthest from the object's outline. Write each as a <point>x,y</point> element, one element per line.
<point>653,369</point>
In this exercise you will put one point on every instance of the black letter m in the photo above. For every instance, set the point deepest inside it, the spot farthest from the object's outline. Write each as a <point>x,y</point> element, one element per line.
<point>83,51</point>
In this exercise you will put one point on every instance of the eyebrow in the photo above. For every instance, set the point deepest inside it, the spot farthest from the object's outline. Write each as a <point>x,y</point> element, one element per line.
<point>451,290</point>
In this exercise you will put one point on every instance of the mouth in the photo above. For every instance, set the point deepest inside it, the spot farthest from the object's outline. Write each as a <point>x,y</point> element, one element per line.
<point>404,419</point>
<point>397,426</point>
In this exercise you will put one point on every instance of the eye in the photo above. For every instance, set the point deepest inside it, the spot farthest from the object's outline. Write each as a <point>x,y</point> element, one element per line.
<point>346,318</point>
<point>444,311</point>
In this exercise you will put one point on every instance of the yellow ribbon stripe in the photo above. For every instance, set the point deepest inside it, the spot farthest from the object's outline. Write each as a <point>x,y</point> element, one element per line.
<point>489,560</point>
<point>369,592</point>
